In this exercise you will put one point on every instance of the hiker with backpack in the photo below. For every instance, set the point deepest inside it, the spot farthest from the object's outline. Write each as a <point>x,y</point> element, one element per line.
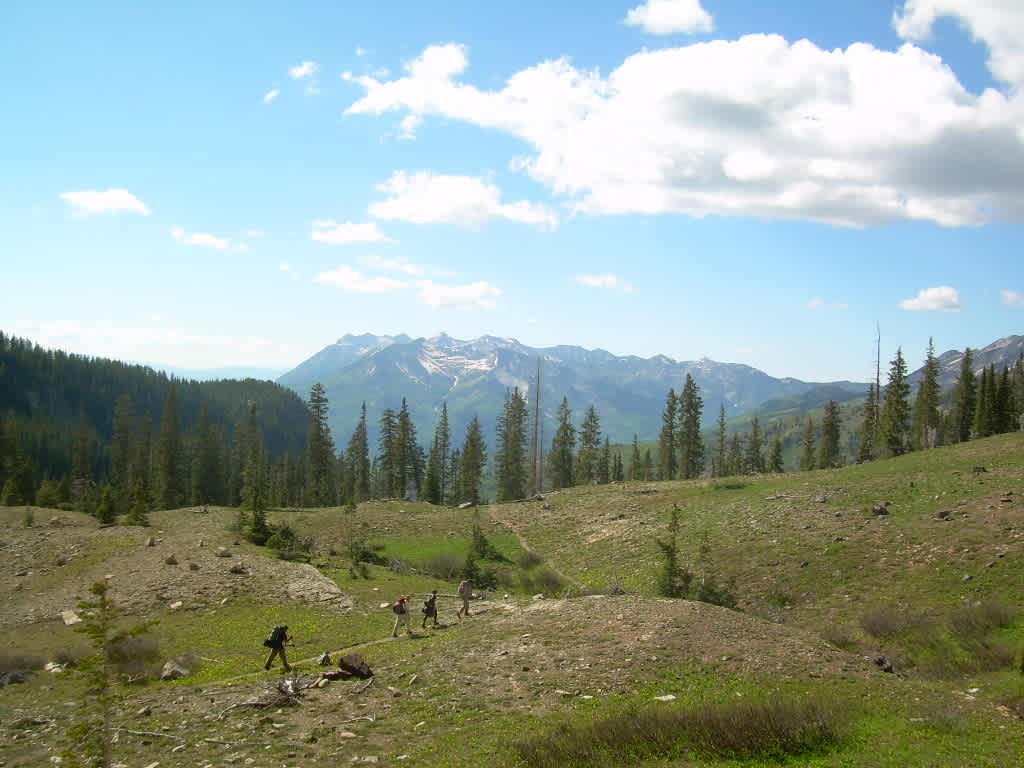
<point>466,593</point>
<point>430,609</point>
<point>401,609</point>
<point>275,642</point>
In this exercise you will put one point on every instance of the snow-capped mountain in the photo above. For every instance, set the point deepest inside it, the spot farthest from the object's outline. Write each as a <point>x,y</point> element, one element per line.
<point>473,376</point>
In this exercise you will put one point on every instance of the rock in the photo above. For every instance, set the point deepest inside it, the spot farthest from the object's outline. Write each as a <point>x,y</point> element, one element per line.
<point>966,577</point>
<point>466,505</point>
<point>324,660</point>
<point>355,665</point>
<point>563,694</point>
<point>54,667</point>
<point>61,561</point>
<point>883,663</point>
<point>150,541</point>
<point>193,566</point>
<point>666,697</point>
<point>172,670</point>
<point>347,735</point>
<point>179,748</point>
<point>22,572</point>
<point>545,506</point>
<point>15,676</point>
<point>69,618</point>
<point>821,499</point>
<point>944,514</point>
<point>223,552</point>
<point>1004,500</point>
<point>881,509</point>
<point>171,560</point>
<point>145,711</point>
<point>394,691</point>
<point>238,568</point>
<point>979,470</point>
<point>175,605</point>
<point>413,679</point>
<point>539,596</point>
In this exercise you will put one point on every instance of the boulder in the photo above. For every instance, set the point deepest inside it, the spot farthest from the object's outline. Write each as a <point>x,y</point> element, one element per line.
<point>237,568</point>
<point>172,670</point>
<point>69,618</point>
<point>324,660</point>
<point>193,566</point>
<point>881,509</point>
<point>355,665</point>
<point>15,676</point>
<point>466,505</point>
<point>150,541</point>
<point>171,560</point>
<point>223,552</point>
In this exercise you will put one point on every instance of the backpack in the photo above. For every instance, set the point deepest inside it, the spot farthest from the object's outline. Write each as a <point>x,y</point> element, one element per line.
<point>276,638</point>
<point>398,607</point>
<point>466,588</point>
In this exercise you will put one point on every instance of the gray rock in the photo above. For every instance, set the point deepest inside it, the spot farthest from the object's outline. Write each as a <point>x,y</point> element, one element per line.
<point>223,552</point>
<point>171,560</point>
<point>237,568</point>
<point>172,670</point>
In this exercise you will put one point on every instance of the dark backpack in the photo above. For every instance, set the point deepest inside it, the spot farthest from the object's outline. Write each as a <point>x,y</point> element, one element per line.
<point>398,607</point>
<point>276,638</point>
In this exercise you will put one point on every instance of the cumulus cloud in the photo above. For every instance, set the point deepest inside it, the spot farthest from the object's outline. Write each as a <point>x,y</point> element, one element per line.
<point>1013,298</point>
<point>353,281</point>
<point>271,95</point>
<point>399,264</point>
<point>330,231</point>
<point>469,201</point>
<point>204,240</point>
<point>479,295</point>
<point>90,202</point>
<point>305,69</point>
<point>999,24</point>
<point>407,128</point>
<point>609,281</point>
<point>666,17</point>
<point>942,298</point>
<point>756,126</point>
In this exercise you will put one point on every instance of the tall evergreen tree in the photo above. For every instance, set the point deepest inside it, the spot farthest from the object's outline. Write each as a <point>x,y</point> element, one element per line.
<point>720,463</point>
<point>207,471</point>
<point>563,449</point>
<point>1002,407</point>
<point>358,455</point>
<point>590,448</point>
<point>443,440</point>
<point>828,452</point>
<point>648,472</point>
<point>472,460</point>
<point>753,460</point>
<point>618,470</point>
<point>320,449</point>
<point>775,463</point>
<point>868,428</point>
<point>965,397</point>
<point>387,455</point>
<point>667,437</point>
<point>636,462</point>
<point>896,408</point>
<point>734,458</point>
<point>510,456</point>
<point>122,450</point>
<point>807,457</point>
<point>689,440</point>
<point>82,480</point>
<point>927,421</point>
<point>167,471</point>
<point>604,463</point>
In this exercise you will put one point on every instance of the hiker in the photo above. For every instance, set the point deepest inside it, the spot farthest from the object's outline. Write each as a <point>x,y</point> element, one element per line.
<point>465,592</point>
<point>401,609</point>
<point>430,609</point>
<point>275,642</point>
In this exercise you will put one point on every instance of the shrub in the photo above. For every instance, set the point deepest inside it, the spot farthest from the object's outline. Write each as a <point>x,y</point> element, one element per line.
<point>771,727</point>
<point>710,591</point>
<point>837,636</point>
<point>11,661</point>
<point>882,621</point>
<point>135,657</point>
<point>543,579</point>
<point>529,559</point>
<point>288,546</point>
<point>444,566</point>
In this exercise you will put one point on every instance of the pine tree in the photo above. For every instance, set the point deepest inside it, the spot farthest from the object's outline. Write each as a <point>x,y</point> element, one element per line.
<point>604,463</point>
<point>443,440</point>
<point>206,473</point>
<point>753,460</point>
<point>81,467</point>
<point>618,471</point>
<point>965,397</point>
<point>510,455</point>
<point>106,512</point>
<point>590,448</point>
<point>358,455</point>
<point>167,480</point>
<point>138,512</point>
<point>648,471</point>
<point>122,449</point>
<point>868,428</point>
<point>927,420</point>
<point>775,463</point>
<point>471,461</point>
<point>635,461</point>
<point>982,411</point>
<point>143,464</point>
<point>720,462</point>
<point>387,450</point>
<point>1002,408</point>
<point>688,435</point>
<point>320,449</point>
<point>896,409</point>
<point>734,460</point>
<point>563,449</point>
<point>667,438</point>
<point>807,457</point>
<point>828,455</point>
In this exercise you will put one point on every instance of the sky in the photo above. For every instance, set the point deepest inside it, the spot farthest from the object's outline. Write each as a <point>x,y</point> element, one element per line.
<point>207,184</point>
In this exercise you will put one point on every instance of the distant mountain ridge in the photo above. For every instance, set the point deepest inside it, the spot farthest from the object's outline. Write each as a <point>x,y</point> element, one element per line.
<point>473,376</point>
<point>1001,353</point>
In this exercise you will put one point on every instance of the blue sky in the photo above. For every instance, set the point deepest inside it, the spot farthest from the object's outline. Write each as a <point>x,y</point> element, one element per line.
<point>215,184</point>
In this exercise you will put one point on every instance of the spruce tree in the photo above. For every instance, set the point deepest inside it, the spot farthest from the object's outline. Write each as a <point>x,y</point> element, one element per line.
<point>868,427</point>
<point>982,411</point>
<point>648,471</point>
<point>563,449</point>
<point>688,434</point>
<point>775,463</point>
<point>807,461</point>
<point>320,449</point>
<point>667,438</point>
<point>604,463</point>
<point>1002,409</point>
<point>167,480</point>
<point>828,452</point>
<point>618,471</point>
<point>510,455</point>
<point>753,460</point>
<point>387,454</point>
<point>358,455</point>
<point>206,474</point>
<point>81,466</point>
<point>734,459</point>
<point>720,462</point>
<point>965,397</point>
<point>635,461</point>
<point>122,449</point>
<point>106,511</point>
<point>590,448</point>
<point>472,459</point>
<point>896,408</point>
<point>927,420</point>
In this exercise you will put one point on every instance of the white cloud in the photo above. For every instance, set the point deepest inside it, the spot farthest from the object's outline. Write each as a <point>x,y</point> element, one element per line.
<point>407,128</point>
<point>609,281</point>
<point>815,304</point>
<point>305,69</point>
<point>997,23</point>
<point>1013,298</point>
<point>353,281</point>
<point>360,51</point>
<point>271,95</point>
<point>479,295</point>
<point>204,240</point>
<point>469,201</point>
<point>942,298</point>
<point>313,88</point>
<point>111,201</point>
<point>330,231</point>
<point>756,126</point>
<point>399,264</point>
<point>665,17</point>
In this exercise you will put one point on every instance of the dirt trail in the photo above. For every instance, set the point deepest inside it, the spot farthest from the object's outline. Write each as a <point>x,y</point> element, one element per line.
<point>526,546</point>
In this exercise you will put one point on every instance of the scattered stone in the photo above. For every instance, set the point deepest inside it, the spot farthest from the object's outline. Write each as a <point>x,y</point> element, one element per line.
<point>563,694</point>
<point>69,618</point>
<point>466,505</point>
<point>839,538</point>
<point>881,509</point>
<point>171,560</point>
<point>54,667</point>
<point>355,665</point>
<point>324,660</point>
<point>539,596</point>
<point>223,552</point>
<point>883,663</point>
<point>179,748</point>
<point>150,541</point>
<point>979,470</point>
<point>394,691</point>
<point>172,670</point>
<point>15,676</point>
<point>193,566</point>
<point>666,697</point>
<point>61,561</point>
<point>990,564</point>
<point>413,679</point>
<point>944,514</point>
<point>347,735</point>
<point>804,564</point>
<point>145,711</point>
<point>1004,500</point>
<point>821,499</point>
<point>238,568</point>
<point>966,577</point>
<point>545,506</point>
<point>22,572</point>
<point>175,605</point>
